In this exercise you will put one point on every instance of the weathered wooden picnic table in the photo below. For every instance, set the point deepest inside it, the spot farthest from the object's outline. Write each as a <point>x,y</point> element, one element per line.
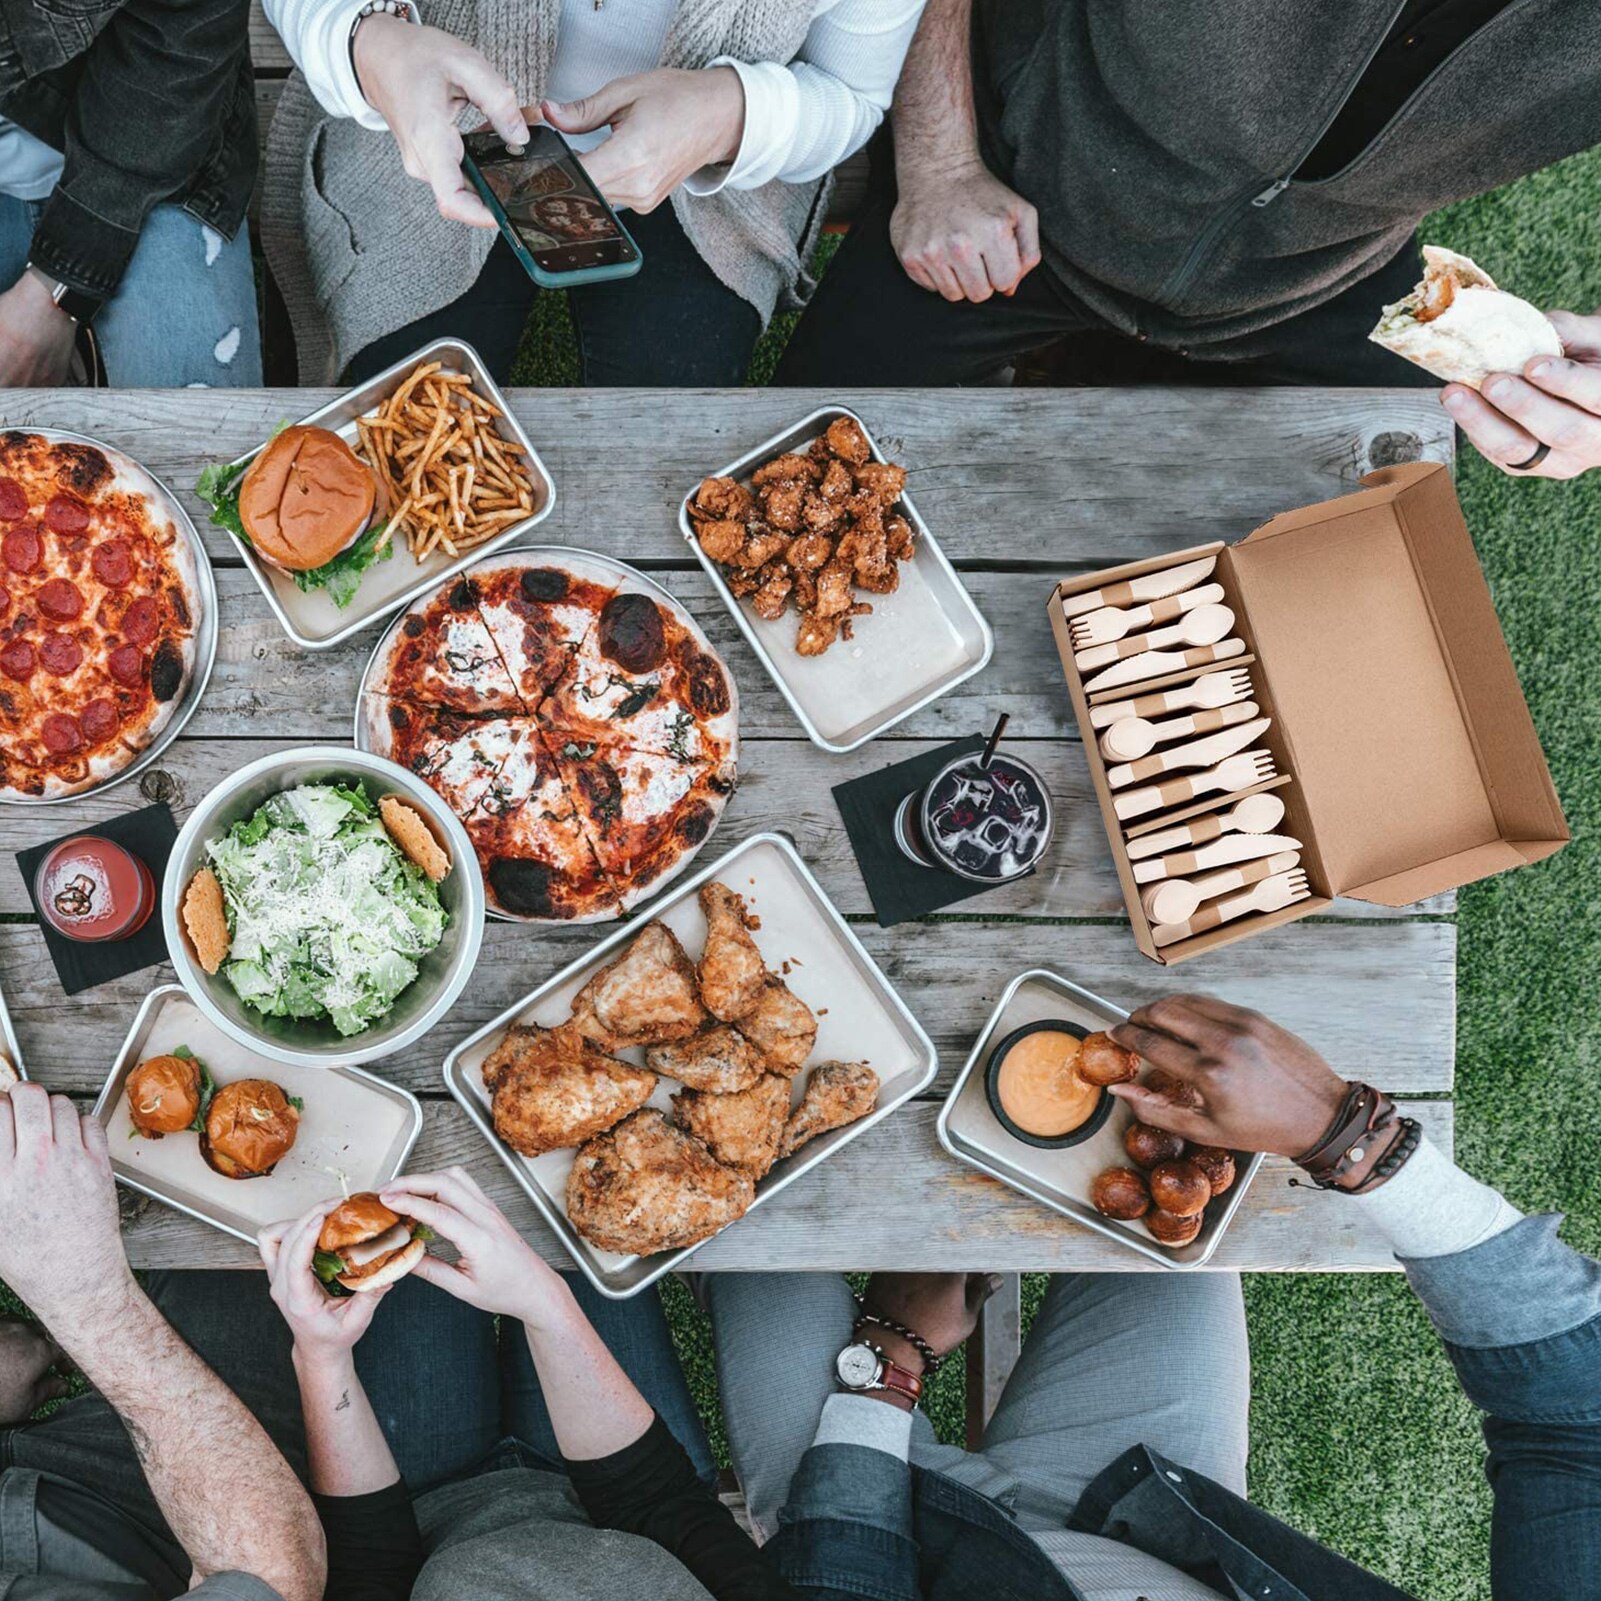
<point>1021,487</point>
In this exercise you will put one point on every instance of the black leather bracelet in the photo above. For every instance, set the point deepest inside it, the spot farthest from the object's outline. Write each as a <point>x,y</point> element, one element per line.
<point>931,1362</point>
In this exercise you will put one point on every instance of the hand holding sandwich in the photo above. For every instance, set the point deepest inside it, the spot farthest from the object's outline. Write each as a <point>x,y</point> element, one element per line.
<point>1555,402</point>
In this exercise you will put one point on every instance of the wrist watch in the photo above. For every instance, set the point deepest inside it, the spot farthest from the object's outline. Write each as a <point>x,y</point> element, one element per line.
<point>862,1367</point>
<point>81,307</point>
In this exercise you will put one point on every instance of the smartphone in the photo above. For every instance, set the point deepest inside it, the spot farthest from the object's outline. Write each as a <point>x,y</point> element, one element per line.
<point>551,215</point>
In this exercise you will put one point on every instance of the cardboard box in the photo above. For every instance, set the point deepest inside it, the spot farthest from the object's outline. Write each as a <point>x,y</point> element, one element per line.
<point>1413,765</point>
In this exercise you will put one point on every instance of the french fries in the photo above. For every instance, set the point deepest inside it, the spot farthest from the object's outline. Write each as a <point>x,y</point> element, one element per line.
<point>452,480</point>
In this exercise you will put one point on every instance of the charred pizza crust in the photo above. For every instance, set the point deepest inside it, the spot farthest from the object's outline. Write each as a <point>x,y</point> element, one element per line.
<point>99,608</point>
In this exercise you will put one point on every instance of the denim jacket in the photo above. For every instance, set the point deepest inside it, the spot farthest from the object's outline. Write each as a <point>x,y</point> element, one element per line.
<point>151,101</point>
<point>1520,1316</point>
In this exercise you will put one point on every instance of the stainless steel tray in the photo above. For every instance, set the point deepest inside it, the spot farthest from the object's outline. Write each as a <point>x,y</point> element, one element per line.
<point>915,645</point>
<point>309,617</point>
<point>8,1039</point>
<point>1060,1179</point>
<point>864,1018</point>
<point>205,632</point>
<point>355,1127</point>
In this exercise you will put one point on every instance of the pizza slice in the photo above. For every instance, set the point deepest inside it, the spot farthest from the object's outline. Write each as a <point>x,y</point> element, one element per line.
<point>539,616</point>
<point>442,654</point>
<point>458,756</point>
<point>644,813</point>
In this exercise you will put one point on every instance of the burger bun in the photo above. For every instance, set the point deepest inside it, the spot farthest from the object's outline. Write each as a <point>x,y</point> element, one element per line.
<point>306,497</point>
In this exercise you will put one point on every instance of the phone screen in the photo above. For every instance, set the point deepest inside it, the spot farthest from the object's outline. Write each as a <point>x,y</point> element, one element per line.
<point>552,207</point>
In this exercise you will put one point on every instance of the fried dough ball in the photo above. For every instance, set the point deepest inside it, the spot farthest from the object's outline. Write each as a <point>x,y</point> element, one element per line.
<point>1180,1187</point>
<point>1148,1145</point>
<point>1103,1061</point>
<point>1170,1230</point>
<point>1120,1192</point>
<point>1216,1163</point>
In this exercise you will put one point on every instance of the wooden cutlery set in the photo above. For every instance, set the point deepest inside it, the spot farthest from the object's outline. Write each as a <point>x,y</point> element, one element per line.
<point>1195,738</point>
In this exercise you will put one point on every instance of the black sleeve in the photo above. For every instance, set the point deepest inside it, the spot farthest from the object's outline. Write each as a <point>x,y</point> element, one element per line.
<point>650,1488</point>
<point>145,113</point>
<point>374,1546</point>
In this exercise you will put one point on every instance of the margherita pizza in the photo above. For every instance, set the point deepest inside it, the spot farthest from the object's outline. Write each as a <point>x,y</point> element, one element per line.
<point>572,715</point>
<point>99,606</point>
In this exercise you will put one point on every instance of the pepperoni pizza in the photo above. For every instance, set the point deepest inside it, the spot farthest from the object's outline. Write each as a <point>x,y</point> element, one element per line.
<point>99,604</point>
<point>572,715</point>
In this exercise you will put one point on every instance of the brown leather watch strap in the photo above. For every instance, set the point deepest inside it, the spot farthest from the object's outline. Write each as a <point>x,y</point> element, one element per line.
<point>901,1380</point>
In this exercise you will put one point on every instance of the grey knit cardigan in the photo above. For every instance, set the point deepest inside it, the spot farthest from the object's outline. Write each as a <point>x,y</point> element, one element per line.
<point>358,249</point>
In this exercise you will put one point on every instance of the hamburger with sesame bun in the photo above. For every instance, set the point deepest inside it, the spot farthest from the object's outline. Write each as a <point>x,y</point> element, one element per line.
<point>365,1245</point>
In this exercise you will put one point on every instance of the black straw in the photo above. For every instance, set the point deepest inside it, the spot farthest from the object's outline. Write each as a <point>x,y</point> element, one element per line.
<point>994,740</point>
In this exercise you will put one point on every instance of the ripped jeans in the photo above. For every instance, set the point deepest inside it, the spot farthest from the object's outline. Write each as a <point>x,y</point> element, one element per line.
<point>185,314</point>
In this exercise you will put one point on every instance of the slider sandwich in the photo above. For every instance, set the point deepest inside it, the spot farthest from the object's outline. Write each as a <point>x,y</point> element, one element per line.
<point>364,1245</point>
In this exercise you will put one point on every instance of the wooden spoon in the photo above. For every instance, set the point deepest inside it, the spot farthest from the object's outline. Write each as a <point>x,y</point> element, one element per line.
<point>1206,625</point>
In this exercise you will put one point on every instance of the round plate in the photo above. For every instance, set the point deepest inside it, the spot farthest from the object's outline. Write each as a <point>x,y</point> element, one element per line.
<point>554,555</point>
<point>205,627</point>
<point>992,1073</point>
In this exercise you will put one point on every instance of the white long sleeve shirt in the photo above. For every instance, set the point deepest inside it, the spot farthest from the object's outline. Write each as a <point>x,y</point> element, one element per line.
<point>802,117</point>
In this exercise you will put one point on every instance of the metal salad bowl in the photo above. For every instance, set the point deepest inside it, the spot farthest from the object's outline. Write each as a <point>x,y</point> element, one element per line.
<point>315,1042</point>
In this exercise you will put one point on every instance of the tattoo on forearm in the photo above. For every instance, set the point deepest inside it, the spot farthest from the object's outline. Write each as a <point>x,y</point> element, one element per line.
<point>344,1401</point>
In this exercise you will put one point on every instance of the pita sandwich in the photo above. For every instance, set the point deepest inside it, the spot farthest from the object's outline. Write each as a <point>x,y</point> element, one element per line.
<point>1459,326</point>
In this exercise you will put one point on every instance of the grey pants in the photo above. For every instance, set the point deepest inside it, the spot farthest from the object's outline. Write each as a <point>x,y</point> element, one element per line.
<point>1113,1360</point>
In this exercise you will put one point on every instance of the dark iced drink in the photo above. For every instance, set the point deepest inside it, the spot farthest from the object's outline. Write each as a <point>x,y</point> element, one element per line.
<point>988,824</point>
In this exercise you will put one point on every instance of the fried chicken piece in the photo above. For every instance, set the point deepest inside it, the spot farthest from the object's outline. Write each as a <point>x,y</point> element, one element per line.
<point>836,1094</point>
<point>780,1026</point>
<point>883,480</point>
<point>743,583</point>
<point>833,590</point>
<point>552,1089</point>
<point>783,504</point>
<point>772,597</point>
<point>731,971</point>
<point>847,441</point>
<point>837,483</point>
<point>725,500</point>
<point>647,1185</point>
<point>787,468</point>
<point>902,541</point>
<point>819,515</point>
<point>873,566</point>
<point>740,1130</point>
<point>719,1060</point>
<point>761,547</point>
<point>816,634</point>
<point>804,593</point>
<point>722,541</point>
<point>809,551</point>
<point>646,997</point>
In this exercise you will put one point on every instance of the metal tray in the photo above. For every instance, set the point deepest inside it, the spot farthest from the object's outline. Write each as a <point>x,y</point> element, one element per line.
<point>8,1039</point>
<point>1060,1179</point>
<point>530,555</point>
<point>205,631</point>
<point>917,644</point>
<point>308,616</point>
<point>864,1018</point>
<point>364,1139</point>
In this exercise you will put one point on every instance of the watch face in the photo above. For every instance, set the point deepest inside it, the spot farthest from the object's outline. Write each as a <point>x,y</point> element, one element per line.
<point>857,1366</point>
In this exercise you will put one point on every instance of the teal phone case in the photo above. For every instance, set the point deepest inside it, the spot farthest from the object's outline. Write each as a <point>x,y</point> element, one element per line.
<point>550,280</point>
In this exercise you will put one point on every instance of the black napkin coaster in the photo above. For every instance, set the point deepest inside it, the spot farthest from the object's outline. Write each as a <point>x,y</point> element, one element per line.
<point>150,834</point>
<point>900,888</point>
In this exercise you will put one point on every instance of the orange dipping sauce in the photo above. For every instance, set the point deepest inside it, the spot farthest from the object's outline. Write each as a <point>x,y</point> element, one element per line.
<point>1039,1087</point>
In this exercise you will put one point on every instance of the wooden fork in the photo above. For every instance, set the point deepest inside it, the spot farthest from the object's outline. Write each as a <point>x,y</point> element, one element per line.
<point>1155,663</point>
<point>1110,623</point>
<point>1237,772</point>
<point>1174,899</point>
<point>1206,625</point>
<point>1148,586</point>
<point>1271,895</point>
<point>1209,690</point>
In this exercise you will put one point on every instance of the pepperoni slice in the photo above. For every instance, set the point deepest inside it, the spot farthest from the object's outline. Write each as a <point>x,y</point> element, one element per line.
<point>126,664</point>
<point>112,563</point>
<point>23,549</point>
<point>99,720</point>
<point>18,660</point>
<point>60,654</point>
<point>5,600</point>
<point>60,599</point>
<point>141,620</point>
<point>61,734</point>
<point>13,500</point>
<point>66,514</point>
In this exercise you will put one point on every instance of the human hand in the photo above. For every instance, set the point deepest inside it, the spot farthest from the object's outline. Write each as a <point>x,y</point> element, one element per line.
<point>1556,402</point>
<point>1259,1087</point>
<point>36,337</point>
<point>418,80</point>
<point>665,126</point>
<point>942,1308</point>
<point>497,1271</point>
<point>962,233</point>
<point>325,1327</point>
<point>61,1243</point>
<point>27,1354</point>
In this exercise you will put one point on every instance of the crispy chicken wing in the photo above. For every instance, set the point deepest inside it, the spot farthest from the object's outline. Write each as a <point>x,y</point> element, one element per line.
<point>741,1130</point>
<point>780,1026</point>
<point>847,441</point>
<point>646,997</point>
<point>720,1060</point>
<point>731,968</point>
<point>648,1186</point>
<point>552,1088</point>
<point>836,1094</point>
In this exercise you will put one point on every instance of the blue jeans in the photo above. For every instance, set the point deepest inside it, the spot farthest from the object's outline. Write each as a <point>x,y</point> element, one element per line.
<point>184,316</point>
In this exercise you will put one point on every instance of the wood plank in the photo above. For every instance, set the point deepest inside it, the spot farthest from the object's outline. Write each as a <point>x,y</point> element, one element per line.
<point>1378,999</point>
<point>1032,478</point>
<point>784,784</point>
<point>267,52</point>
<point>992,1352</point>
<point>929,1213</point>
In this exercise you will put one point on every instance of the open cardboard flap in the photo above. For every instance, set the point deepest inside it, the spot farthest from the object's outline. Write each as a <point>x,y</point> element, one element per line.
<point>1378,644</point>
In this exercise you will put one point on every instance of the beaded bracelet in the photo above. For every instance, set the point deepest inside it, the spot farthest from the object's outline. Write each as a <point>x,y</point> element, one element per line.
<point>931,1361</point>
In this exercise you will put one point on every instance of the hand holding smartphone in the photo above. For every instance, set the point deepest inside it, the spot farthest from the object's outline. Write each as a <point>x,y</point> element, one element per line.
<point>555,220</point>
